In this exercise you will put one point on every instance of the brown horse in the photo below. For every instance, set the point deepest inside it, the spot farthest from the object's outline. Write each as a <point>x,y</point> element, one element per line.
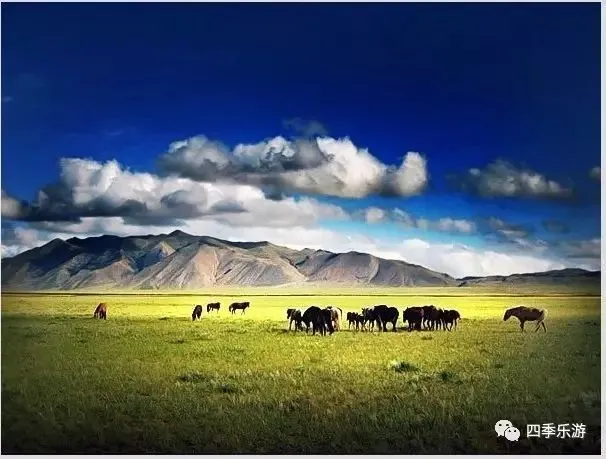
<point>336,316</point>
<point>526,314</point>
<point>101,311</point>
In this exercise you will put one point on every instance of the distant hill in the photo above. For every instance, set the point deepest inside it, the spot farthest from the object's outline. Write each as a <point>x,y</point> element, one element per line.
<point>574,276</point>
<point>182,261</point>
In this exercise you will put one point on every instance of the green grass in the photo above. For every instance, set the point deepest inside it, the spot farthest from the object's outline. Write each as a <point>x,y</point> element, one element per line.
<point>149,380</point>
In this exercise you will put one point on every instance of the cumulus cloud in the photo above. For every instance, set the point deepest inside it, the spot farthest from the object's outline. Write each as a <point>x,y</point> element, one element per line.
<point>12,207</point>
<point>454,259</point>
<point>91,189</point>
<point>589,249</point>
<point>401,217</point>
<point>502,179</point>
<point>322,166</point>
<point>596,173</point>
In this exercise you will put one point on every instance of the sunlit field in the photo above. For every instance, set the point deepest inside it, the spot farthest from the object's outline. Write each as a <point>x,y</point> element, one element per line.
<point>149,380</point>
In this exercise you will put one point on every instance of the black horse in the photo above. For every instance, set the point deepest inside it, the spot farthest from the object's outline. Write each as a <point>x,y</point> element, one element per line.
<point>450,317</point>
<point>319,319</point>
<point>294,315</point>
<point>197,312</point>
<point>386,314</point>
<point>368,318</point>
<point>213,307</point>
<point>414,317</point>
<point>242,306</point>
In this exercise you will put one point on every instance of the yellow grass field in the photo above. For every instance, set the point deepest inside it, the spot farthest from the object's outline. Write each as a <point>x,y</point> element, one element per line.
<point>149,380</point>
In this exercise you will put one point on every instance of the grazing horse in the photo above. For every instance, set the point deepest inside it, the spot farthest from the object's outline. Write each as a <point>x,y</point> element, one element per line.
<point>526,314</point>
<point>432,317</point>
<point>234,306</point>
<point>319,319</point>
<point>351,319</point>
<point>295,316</point>
<point>368,318</point>
<point>213,307</point>
<point>386,314</point>
<point>197,312</point>
<point>450,317</point>
<point>101,311</point>
<point>414,317</point>
<point>336,316</point>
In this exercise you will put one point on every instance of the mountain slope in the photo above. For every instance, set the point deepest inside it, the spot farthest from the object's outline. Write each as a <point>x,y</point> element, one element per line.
<point>182,261</point>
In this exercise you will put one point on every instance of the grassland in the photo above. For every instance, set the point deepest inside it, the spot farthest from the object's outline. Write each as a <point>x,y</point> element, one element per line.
<point>150,380</point>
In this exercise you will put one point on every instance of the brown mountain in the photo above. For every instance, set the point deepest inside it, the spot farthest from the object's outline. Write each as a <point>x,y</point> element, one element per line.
<point>182,261</point>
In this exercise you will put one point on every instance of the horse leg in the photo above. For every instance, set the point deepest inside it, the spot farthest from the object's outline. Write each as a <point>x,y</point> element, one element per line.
<point>544,328</point>
<point>537,327</point>
<point>394,325</point>
<point>522,325</point>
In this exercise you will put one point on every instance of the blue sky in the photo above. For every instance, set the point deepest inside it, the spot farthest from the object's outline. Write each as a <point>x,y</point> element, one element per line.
<point>511,90</point>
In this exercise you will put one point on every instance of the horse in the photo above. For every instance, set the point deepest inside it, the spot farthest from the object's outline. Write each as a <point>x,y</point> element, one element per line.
<point>386,314</point>
<point>526,314</point>
<point>242,306</point>
<point>294,315</point>
<point>197,313</point>
<point>432,317</point>
<point>450,317</point>
<point>320,319</point>
<point>369,317</point>
<point>414,317</point>
<point>101,311</point>
<point>336,317</point>
<point>213,307</point>
<point>355,319</point>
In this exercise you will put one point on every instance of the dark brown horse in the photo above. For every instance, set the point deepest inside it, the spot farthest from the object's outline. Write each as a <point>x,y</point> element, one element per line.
<point>101,311</point>
<point>414,317</point>
<point>450,318</point>
<point>526,314</point>
<point>197,312</point>
<point>213,307</point>
<point>296,316</point>
<point>242,306</point>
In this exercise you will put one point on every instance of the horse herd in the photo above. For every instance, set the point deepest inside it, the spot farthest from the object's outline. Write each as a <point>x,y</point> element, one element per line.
<point>329,318</point>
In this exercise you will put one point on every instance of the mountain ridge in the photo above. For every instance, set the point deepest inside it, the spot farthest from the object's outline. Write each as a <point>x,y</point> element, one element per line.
<point>182,261</point>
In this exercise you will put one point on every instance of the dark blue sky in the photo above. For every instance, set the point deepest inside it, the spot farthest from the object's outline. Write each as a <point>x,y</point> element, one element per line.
<point>464,84</point>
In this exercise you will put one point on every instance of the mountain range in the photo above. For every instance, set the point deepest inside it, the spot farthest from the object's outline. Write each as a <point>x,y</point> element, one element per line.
<point>182,261</point>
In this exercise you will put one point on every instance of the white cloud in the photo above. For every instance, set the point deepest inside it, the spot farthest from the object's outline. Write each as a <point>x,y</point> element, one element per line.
<point>11,207</point>
<point>399,216</point>
<point>454,259</point>
<point>500,178</point>
<point>323,166</point>
<point>89,188</point>
<point>374,215</point>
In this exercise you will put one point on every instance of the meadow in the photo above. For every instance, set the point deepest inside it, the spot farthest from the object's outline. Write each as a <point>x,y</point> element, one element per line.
<point>149,380</point>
